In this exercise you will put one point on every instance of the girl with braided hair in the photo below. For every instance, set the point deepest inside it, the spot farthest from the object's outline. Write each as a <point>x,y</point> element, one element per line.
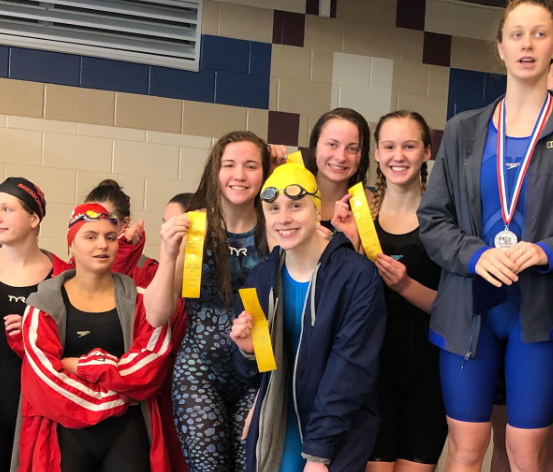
<point>408,387</point>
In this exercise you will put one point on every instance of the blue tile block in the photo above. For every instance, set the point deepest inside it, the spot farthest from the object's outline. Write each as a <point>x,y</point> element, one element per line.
<point>4,55</point>
<point>466,91</point>
<point>182,84</point>
<point>219,53</point>
<point>242,90</point>
<point>44,66</point>
<point>260,58</point>
<point>469,90</point>
<point>495,85</point>
<point>119,76</point>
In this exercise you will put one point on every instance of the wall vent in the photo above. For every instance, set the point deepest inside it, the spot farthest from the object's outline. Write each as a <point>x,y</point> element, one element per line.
<point>158,32</point>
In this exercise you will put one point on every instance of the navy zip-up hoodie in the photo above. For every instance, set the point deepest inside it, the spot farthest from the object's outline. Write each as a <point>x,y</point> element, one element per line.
<point>337,359</point>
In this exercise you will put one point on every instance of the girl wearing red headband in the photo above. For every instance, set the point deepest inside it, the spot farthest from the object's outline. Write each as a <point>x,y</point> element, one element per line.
<point>22,266</point>
<point>94,359</point>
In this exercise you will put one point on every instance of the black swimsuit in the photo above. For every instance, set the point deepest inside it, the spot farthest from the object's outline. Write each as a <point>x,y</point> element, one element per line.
<point>408,386</point>
<point>12,302</point>
<point>105,446</point>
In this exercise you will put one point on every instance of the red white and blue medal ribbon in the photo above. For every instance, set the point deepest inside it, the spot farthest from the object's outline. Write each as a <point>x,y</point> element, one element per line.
<point>507,238</point>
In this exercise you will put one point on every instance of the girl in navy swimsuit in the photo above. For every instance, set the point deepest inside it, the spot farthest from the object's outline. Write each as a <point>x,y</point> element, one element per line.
<point>487,223</point>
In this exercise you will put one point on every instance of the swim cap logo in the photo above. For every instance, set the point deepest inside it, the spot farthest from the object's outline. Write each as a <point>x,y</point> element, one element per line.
<point>35,197</point>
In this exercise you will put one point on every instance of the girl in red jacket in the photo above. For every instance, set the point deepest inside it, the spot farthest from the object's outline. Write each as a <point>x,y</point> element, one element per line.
<point>94,359</point>
<point>22,266</point>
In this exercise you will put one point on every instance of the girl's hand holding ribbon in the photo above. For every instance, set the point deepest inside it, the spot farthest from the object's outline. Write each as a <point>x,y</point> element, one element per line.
<point>344,221</point>
<point>173,232</point>
<point>241,332</point>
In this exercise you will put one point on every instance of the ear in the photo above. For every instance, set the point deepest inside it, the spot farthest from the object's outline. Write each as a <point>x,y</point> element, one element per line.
<point>126,221</point>
<point>376,155</point>
<point>35,221</point>
<point>500,51</point>
<point>427,154</point>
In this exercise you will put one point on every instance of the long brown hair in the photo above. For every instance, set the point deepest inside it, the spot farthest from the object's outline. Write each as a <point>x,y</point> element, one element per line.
<point>208,196</point>
<point>364,142</point>
<point>426,136</point>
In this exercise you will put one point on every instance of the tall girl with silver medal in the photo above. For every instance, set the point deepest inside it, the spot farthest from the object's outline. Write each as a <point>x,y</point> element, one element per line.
<point>486,220</point>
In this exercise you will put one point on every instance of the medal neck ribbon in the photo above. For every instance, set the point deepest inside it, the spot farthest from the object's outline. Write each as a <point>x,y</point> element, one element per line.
<point>507,209</point>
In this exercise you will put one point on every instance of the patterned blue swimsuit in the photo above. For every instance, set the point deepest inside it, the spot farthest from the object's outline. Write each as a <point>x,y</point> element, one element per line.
<point>210,399</point>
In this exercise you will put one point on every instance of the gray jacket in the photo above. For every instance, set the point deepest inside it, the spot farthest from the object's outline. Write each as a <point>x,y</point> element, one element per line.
<point>450,217</point>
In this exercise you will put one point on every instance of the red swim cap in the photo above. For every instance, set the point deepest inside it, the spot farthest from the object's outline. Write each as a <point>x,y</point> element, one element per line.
<point>77,220</point>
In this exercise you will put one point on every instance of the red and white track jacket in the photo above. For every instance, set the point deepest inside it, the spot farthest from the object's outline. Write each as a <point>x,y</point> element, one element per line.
<point>105,386</point>
<point>128,255</point>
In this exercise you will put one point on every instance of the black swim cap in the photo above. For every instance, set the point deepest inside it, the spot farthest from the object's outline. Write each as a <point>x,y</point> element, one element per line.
<point>27,192</point>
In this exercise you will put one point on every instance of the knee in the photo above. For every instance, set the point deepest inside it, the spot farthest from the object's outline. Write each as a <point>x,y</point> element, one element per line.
<point>525,460</point>
<point>527,463</point>
<point>467,451</point>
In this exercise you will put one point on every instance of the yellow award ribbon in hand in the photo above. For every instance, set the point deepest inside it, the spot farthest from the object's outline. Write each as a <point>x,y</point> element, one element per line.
<point>193,255</point>
<point>296,158</point>
<point>260,333</point>
<point>364,221</point>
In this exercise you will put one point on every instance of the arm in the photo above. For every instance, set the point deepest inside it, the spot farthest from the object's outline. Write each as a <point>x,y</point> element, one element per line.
<point>160,299</point>
<point>52,391</point>
<point>352,368</point>
<point>129,253</point>
<point>446,243</point>
<point>139,373</point>
<point>419,295</point>
<point>395,276</point>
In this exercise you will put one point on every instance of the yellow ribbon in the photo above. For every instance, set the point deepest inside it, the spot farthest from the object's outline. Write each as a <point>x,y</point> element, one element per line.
<point>193,255</point>
<point>296,158</point>
<point>364,221</point>
<point>260,333</point>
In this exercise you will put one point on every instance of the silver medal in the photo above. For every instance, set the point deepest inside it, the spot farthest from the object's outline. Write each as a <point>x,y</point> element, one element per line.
<point>505,239</point>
